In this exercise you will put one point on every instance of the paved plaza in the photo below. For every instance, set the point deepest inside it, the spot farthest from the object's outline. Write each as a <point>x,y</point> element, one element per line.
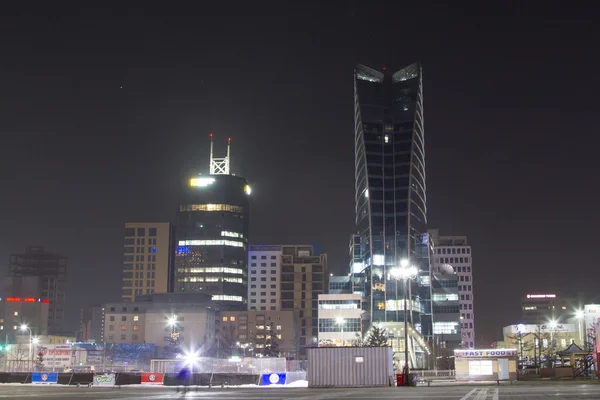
<point>541,390</point>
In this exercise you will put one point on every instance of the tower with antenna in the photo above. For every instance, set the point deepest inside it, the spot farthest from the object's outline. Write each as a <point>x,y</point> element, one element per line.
<point>219,166</point>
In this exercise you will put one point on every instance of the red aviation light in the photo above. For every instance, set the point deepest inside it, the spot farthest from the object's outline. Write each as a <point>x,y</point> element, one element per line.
<point>46,301</point>
<point>13,299</point>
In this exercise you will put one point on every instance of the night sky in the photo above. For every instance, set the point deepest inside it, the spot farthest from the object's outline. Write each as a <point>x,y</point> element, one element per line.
<point>104,111</point>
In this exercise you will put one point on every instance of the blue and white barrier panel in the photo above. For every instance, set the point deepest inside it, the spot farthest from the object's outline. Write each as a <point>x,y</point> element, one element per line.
<point>273,378</point>
<point>44,377</point>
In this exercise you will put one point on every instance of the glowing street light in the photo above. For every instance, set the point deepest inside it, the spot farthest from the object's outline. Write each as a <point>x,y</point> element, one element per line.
<point>340,321</point>
<point>580,315</point>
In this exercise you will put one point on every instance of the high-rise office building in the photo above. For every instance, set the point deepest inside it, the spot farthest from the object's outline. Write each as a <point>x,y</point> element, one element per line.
<point>390,195</point>
<point>264,272</point>
<point>212,235</point>
<point>91,324</point>
<point>303,278</point>
<point>40,274</point>
<point>453,255</point>
<point>148,259</point>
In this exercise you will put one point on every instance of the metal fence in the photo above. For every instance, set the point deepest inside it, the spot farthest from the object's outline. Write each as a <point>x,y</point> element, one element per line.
<point>437,373</point>
<point>242,366</point>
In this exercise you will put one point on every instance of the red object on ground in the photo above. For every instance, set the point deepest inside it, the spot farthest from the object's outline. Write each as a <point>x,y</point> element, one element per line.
<point>152,378</point>
<point>399,379</point>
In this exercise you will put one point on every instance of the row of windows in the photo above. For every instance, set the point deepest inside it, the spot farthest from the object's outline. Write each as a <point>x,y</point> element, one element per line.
<point>263,272</point>
<point>339,285</point>
<point>263,301</point>
<point>444,297</point>
<point>335,325</point>
<point>465,288</point>
<point>465,297</point>
<point>139,241</point>
<point>139,249</point>
<point>218,242</point>
<point>463,278</point>
<point>140,232</point>
<point>466,325</point>
<point>263,286</point>
<point>263,264</point>
<point>263,257</point>
<point>138,258</point>
<point>211,270</point>
<point>123,327</point>
<point>264,279</point>
<point>133,337</point>
<point>210,279</point>
<point>339,304</point>
<point>263,293</point>
<point>139,267</point>
<point>466,315</point>
<point>464,306</point>
<point>446,328</point>
<point>212,207</point>
<point>462,269</point>
<point>262,308</point>
<point>452,260</point>
<point>454,250</point>
<point>138,283</point>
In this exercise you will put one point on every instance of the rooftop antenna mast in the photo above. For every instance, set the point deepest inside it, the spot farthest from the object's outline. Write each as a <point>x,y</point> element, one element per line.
<point>219,166</point>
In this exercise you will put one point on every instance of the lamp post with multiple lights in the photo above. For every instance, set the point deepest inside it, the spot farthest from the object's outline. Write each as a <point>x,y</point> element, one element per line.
<point>405,272</point>
<point>24,328</point>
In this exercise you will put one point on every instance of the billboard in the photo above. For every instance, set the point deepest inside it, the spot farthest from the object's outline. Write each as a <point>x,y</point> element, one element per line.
<point>44,377</point>
<point>150,378</point>
<point>54,356</point>
<point>104,380</point>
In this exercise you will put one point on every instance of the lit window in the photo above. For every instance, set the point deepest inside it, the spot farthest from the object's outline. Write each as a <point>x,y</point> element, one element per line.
<point>232,319</point>
<point>123,327</point>
<point>136,318</point>
<point>16,313</point>
<point>224,319</point>
<point>136,327</point>
<point>386,138</point>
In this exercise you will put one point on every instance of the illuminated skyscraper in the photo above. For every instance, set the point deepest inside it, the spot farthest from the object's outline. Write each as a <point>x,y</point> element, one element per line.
<point>390,195</point>
<point>212,235</point>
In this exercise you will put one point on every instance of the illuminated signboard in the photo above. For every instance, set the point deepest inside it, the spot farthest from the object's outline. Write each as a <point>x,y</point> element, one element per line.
<point>13,299</point>
<point>29,300</point>
<point>541,296</point>
<point>201,182</point>
<point>485,353</point>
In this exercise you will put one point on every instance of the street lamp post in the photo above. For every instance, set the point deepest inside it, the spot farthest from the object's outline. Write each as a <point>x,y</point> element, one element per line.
<point>405,272</point>
<point>340,321</point>
<point>26,328</point>
<point>580,316</point>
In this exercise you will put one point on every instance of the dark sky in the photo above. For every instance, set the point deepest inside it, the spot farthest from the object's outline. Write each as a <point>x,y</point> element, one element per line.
<point>103,111</point>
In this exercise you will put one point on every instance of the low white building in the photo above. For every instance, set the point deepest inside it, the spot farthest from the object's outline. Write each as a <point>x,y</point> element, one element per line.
<point>340,319</point>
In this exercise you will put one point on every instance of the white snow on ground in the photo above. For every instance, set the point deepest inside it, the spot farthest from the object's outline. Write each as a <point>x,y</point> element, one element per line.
<point>296,384</point>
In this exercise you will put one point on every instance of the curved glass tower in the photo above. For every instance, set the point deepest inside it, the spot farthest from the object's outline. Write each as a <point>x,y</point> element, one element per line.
<point>390,193</point>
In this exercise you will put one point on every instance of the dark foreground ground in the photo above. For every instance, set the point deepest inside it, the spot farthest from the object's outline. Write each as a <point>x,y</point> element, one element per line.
<point>569,390</point>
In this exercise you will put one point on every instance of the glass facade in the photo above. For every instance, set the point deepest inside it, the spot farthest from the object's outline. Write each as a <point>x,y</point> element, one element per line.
<point>390,192</point>
<point>212,237</point>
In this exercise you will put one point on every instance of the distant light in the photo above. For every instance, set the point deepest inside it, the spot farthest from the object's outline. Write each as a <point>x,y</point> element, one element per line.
<point>229,139</point>
<point>23,327</point>
<point>541,296</point>
<point>247,189</point>
<point>35,340</point>
<point>210,134</point>
<point>384,68</point>
<point>201,182</point>
<point>579,314</point>
<point>340,320</point>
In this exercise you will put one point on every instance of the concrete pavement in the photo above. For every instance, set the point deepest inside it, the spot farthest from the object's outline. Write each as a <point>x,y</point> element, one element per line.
<point>455,392</point>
